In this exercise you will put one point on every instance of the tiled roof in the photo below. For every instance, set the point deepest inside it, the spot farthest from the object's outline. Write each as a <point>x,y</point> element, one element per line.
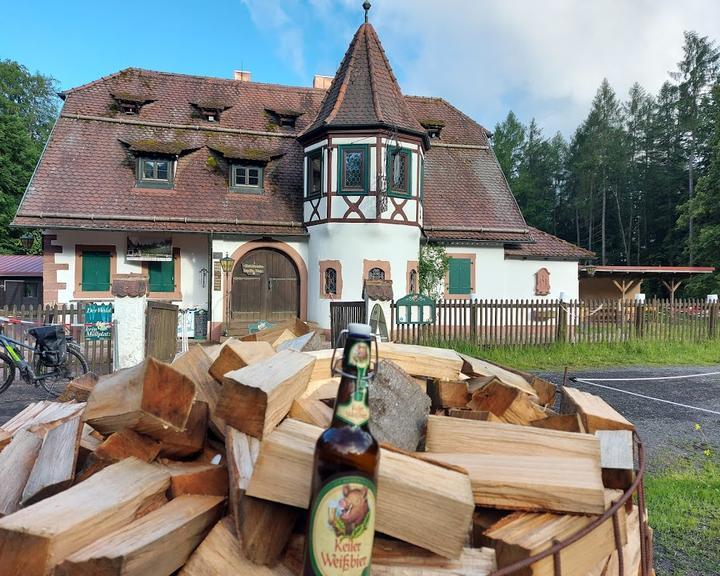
<point>21,265</point>
<point>548,247</point>
<point>364,91</point>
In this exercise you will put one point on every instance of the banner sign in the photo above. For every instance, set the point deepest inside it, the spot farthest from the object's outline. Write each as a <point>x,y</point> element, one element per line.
<point>149,248</point>
<point>98,321</point>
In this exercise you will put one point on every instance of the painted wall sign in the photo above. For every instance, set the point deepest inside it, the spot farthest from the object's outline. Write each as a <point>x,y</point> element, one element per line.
<point>148,248</point>
<point>98,321</point>
<point>542,282</point>
<point>253,269</point>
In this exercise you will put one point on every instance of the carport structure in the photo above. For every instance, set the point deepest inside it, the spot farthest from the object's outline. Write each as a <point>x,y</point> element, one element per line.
<point>624,282</point>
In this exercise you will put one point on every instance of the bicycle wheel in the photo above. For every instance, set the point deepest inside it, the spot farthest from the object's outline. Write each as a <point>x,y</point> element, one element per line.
<point>7,372</point>
<point>55,379</point>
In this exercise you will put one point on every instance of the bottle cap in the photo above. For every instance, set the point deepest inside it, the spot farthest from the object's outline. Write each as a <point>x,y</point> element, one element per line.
<point>359,329</point>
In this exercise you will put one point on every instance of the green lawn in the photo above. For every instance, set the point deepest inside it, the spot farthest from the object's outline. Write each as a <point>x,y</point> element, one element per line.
<point>684,503</point>
<point>557,356</point>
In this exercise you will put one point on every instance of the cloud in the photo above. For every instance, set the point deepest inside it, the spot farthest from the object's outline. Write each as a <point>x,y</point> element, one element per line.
<point>542,59</point>
<point>273,17</point>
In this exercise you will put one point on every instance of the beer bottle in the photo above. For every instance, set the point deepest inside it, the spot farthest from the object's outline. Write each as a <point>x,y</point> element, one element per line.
<point>341,523</point>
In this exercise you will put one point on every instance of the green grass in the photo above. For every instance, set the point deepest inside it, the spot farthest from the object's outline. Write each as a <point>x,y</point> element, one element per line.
<point>557,356</point>
<point>684,504</point>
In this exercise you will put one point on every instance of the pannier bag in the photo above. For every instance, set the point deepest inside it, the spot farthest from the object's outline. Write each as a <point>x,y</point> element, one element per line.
<point>51,344</point>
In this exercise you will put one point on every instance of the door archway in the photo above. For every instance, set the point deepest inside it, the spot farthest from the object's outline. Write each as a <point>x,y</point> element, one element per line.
<point>265,286</point>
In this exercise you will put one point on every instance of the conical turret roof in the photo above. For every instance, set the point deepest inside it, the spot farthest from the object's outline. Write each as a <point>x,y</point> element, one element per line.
<point>365,92</point>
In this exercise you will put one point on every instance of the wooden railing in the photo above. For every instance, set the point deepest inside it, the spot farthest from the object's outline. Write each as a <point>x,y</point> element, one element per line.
<point>528,322</point>
<point>99,353</point>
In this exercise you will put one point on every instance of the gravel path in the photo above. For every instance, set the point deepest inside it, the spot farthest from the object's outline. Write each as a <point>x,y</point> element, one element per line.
<point>666,430</point>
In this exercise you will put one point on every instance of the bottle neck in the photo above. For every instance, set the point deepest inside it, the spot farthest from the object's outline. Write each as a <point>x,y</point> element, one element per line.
<point>352,406</point>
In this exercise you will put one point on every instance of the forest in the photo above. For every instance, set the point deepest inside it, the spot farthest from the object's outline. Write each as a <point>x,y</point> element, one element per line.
<point>639,180</point>
<point>637,183</point>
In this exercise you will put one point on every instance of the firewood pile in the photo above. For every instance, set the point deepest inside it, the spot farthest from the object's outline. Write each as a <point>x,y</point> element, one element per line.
<point>204,466</point>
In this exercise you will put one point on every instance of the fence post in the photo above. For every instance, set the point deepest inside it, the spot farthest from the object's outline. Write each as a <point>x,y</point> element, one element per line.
<point>561,334</point>
<point>473,320</point>
<point>639,319</point>
<point>712,320</point>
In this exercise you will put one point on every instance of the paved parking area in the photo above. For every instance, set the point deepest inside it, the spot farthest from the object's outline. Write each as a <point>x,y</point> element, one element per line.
<point>17,397</point>
<point>690,394</point>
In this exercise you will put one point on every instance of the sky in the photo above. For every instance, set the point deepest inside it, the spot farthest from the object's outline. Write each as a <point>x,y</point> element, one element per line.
<point>541,59</point>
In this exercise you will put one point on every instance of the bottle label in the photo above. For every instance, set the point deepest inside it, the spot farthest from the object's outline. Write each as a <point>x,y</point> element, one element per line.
<point>342,527</point>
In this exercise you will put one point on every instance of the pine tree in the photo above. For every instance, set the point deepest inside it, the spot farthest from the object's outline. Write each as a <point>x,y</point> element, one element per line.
<point>508,140</point>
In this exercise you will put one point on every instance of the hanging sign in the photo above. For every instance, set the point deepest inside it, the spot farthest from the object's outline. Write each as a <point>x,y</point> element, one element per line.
<point>253,269</point>
<point>148,248</point>
<point>98,321</point>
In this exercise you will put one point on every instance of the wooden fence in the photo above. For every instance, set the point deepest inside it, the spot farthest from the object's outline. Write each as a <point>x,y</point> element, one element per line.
<point>528,322</point>
<point>99,353</point>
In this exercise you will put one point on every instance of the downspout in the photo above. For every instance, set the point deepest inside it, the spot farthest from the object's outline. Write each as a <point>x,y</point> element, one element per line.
<point>211,278</point>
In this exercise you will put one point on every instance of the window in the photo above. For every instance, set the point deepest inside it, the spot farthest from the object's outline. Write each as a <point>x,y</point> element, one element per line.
<point>155,172</point>
<point>246,178</point>
<point>315,173</point>
<point>413,282</point>
<point>331,281</point>
<point>354,169</point>
<point>376,274</point>
<point>162,276</point>
<point>30,289</point>
<point>398,172</point>
<point>95,271</point>
<point>460,273</point>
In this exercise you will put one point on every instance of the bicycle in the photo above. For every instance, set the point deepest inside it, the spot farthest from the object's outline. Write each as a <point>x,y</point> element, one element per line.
<point>56,358</point>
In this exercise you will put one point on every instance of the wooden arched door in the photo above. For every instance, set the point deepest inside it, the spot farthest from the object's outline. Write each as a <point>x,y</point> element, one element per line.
<point>265,286</point>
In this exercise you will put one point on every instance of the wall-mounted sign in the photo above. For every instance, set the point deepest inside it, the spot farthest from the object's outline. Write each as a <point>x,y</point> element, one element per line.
<point>217,276</point>
<point>98,321</point>
<point>148,248</point>
<point>253,269</point>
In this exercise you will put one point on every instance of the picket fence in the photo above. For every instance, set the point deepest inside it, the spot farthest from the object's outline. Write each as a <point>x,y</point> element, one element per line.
<point>529,322</point>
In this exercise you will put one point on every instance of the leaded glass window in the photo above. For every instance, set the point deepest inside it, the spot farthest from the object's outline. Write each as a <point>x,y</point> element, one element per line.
<point>330,281</point>
<point>398,171</point>
<point>353,174</point>
<point>376,274</point>
<point>412,282</point>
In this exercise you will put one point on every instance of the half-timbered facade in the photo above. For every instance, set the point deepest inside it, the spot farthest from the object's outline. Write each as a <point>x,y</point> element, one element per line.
<point>311,192</point>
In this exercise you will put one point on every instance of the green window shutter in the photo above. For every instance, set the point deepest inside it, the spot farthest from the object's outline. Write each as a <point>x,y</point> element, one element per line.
<point>460,276</point>
<point>95,271</point>
<point>162,276</point>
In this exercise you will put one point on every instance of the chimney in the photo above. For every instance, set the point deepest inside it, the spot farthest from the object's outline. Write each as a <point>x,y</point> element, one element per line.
<point>242,75</point>
<point>322,82</point>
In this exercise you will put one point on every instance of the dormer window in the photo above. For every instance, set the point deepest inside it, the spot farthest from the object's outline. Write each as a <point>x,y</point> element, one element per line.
<point>209,111</point>
<point>129,104</point>
<point>283,118</point>
<point>155,172</point>
<point>433,127</point>
<point>246,178</point>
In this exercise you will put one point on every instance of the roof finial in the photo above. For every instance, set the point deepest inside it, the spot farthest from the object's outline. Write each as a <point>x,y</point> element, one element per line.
<point>366,7</point>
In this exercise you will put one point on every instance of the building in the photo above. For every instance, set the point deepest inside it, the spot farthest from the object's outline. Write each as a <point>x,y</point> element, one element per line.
<point>310,191</point>
<point>21,280</point>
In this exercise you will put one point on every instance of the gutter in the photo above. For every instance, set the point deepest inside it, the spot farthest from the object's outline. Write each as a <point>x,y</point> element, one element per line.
<point>481,229</point>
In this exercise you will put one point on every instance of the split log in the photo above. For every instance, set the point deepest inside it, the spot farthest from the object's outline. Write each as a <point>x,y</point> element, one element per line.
<point>195,364</point>
<point>448,394</point>
<point>151,396</point>
<point>54,469</point>
<point>311,411</point>
<point>16,464</point>
<point>522,535</point>
<point>197,478</point>
<point>477,437</point>
<point>393,558</point>
<point>563,422</point>
<point>476,367</point>
<point>507,403</point>
<point>221,554</point>
<point>90,440</point>
<point>468,414</point>
<point>483,519</point>
<point>630,551</point>
<point>80,388</point>
<point>42,416</point>
<point>531,483</point>
<point>421,361</point>
<point>256,398</point>
<point>158,543</point>
<point>545,390</point>
<point>305,343</point>
<point>5,438</point>
<point>242,452</point>
<point>296,326</point>
<point>286,336</point>
<point>419,502</point>
<point>189,441</point>
<point>36,538</point>
<point>116,447</point>
<point>617,458</point>
<point>325,389</point>
<point>236,354</point>
<point>595,412</point>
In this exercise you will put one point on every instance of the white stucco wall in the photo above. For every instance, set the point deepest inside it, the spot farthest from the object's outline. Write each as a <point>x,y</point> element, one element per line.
<point>193,257</point>
<point>496,277</point>
<point>352,244</point>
